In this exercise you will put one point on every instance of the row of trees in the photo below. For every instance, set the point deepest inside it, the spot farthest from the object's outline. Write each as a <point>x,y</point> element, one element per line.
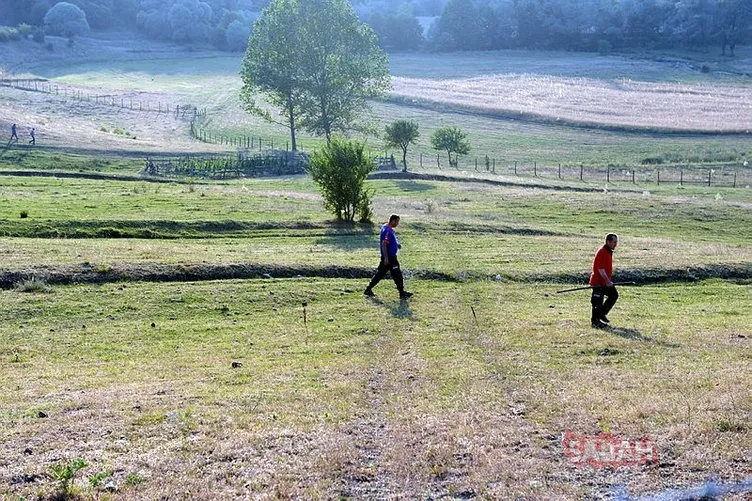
<point>454,24</point>
<point>591,24</point>
<point>402,133</point>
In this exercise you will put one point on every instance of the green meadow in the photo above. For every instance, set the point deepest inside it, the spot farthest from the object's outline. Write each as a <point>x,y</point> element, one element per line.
<point>301,387</point>
<point>193,338</point>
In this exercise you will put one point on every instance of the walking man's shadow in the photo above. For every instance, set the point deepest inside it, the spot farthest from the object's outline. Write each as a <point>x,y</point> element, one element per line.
<point>635,335</point>
<point>398,310</point>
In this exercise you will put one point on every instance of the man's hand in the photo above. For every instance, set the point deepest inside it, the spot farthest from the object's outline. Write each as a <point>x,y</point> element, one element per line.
<point>399,246</point>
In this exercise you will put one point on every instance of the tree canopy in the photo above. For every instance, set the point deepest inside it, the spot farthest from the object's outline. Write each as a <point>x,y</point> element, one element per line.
<point>66,19</point>
<point>316,62</point>
<point>452,140</point>
<point>401,134</point>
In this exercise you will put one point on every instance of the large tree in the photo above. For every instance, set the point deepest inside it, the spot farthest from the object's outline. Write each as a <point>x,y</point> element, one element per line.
<point>272,65</point>
<point>316,62</point>
<point>343,64</point>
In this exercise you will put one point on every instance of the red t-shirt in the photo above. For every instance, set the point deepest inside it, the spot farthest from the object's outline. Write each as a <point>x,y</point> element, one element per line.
<point>603,260</point>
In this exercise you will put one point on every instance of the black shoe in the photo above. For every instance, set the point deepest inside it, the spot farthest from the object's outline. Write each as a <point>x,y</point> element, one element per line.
<point>405,294</point>
<point>368,293</point>
<point>604,319</point>
<point>597,324</point>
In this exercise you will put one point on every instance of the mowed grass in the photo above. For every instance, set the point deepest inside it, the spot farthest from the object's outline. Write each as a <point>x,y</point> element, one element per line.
<point>196,80</point>
<point>466,389</point>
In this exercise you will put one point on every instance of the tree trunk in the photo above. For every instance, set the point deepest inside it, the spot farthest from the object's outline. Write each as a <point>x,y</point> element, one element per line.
<point>404,159</point>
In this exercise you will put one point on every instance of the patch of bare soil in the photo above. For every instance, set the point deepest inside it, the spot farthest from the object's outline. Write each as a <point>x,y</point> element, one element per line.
<point>66,122</point>
<point>192,272</point>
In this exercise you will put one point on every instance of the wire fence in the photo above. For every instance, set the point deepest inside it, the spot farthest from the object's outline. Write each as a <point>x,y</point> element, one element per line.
<point>181,111</point>
<point>709,174</point>
<point>727,175</point>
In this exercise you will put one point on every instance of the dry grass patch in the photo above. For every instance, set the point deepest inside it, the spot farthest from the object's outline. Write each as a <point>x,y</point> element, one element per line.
<point>625,103</point>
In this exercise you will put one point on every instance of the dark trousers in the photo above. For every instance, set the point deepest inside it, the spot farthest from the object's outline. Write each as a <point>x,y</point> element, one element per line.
<point>602,300</point>
<point>383,269</point>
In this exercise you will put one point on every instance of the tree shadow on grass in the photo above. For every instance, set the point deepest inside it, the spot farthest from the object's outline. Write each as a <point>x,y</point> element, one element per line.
<point>398,309</point>
<point>636,335</point>
<point>414,186</point>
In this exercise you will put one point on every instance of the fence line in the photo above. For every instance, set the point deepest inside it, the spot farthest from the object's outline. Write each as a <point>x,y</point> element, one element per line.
<point>709,174</point>
<point>181,111</point>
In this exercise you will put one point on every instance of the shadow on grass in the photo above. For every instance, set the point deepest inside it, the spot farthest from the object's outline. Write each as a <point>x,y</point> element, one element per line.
<point>414,186</point>
<point>399,309</point>
<point>636,335</point>
<point>351,241</point>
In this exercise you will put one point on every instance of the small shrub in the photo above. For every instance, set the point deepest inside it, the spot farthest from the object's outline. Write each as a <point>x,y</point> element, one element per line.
<point>96,480</point>
<point>64,474</point>
<point>33,285</point>
<point>340,170</point>
<point>133,479</point>
<point>430,206</point>
<point>24,214</point>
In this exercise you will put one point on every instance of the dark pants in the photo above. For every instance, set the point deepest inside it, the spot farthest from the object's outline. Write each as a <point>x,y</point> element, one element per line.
<point>602,300</point>
<point>383,269</point>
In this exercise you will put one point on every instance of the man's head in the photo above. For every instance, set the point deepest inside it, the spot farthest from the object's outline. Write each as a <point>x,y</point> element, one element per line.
<point>612,241</point>
<point>394,220</point>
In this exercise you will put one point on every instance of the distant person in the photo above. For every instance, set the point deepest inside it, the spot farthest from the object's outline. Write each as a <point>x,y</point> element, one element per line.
<point>33,139</point>
<point>13,133</point>
<point>388,247</point>
<point>604,292</point>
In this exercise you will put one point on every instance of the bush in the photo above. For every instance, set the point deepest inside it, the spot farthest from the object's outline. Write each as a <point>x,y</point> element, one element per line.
<point>340,169</point>
<point>66,19</point>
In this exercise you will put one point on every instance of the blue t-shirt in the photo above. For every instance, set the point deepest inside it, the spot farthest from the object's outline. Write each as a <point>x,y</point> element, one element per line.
<point>392,244</point>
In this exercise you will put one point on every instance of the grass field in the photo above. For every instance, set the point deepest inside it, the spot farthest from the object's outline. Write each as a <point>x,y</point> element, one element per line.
<point>209,339</point>
<point>628,85</point>
<point>463,392</point>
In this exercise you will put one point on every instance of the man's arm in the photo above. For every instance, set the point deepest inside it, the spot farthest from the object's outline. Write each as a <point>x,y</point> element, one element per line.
<point>605,278</point>
<point>385,250</point>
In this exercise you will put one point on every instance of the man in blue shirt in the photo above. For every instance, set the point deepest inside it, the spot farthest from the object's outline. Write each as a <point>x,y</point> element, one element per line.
<point>389,246</point>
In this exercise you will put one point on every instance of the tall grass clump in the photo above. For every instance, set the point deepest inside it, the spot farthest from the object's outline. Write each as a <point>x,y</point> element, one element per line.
<point>33,285</point>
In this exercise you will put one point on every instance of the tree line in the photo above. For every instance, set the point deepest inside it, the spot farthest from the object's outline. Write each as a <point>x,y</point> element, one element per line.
<point>434,25</point>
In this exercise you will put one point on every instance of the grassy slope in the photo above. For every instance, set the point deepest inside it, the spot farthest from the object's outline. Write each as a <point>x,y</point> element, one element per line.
<point>214,84</point>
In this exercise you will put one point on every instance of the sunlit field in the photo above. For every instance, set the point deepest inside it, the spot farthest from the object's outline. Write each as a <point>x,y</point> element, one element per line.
<point>514,105</point>
<point>194,338</point>
<point>301,387</point>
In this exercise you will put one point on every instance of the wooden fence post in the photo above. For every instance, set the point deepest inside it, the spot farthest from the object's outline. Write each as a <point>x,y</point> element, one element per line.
<point>659,177</point>
<point>535,169</point>
<point>559,171</point>
<point>681,176</point>
<point>608,173</point>
<point>633,180</point>
<point>734,179</point>
<point>582,168</point>
<point>515,167</point>
<point>710,171</point>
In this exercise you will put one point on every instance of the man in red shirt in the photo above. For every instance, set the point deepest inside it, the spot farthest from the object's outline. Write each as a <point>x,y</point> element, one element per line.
<point>602,284</point>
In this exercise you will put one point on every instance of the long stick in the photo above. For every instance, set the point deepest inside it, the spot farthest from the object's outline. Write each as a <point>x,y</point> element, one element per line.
<point>591,286</point>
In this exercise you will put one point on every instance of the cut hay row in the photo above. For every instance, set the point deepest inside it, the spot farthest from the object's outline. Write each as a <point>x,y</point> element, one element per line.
<point>658,106</point>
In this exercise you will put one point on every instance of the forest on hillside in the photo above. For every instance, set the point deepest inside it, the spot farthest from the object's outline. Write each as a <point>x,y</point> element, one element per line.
<point>410,25</point>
